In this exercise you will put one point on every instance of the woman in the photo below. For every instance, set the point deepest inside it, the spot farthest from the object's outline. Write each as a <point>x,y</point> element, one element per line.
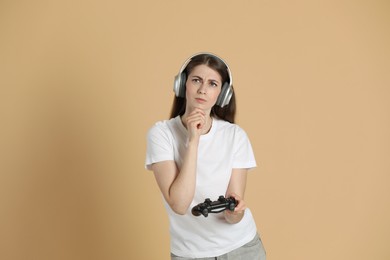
<point>200,153</point>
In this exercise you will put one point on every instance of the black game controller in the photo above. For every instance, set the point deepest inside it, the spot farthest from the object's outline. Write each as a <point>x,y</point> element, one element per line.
<point>209,206</point>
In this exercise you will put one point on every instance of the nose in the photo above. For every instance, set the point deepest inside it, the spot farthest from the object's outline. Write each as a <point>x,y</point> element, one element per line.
<point>202,89</point>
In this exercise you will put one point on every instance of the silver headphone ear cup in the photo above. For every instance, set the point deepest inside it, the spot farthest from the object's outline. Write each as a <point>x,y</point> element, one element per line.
<point>176,85</point>
<point>182,87</point>
<point>225,95</point>
<point>179,85</point>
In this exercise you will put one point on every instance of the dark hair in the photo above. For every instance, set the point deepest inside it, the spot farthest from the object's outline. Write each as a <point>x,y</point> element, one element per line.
<point>227,112</point>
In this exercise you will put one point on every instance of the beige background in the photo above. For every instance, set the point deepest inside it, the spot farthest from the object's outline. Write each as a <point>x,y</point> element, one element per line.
<point>82,81</point>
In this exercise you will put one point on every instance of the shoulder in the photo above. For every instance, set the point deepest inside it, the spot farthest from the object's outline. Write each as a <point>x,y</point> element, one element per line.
<point>161,127</point>
<point>230,128</point>
<point>165,124</point>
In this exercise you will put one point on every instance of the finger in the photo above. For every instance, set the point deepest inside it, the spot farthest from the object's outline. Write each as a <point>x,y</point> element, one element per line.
<point>197,120</point>
<point>240,203</point>
<point>241,206</point>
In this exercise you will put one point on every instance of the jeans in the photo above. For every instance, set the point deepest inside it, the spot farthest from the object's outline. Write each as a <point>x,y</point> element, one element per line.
<point>253,250</point>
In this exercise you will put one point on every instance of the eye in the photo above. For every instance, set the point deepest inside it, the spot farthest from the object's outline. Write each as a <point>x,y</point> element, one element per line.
<point>196,80</point>
<point>213,84</point>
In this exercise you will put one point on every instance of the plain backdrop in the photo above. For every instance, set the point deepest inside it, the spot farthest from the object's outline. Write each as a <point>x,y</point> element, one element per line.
<point>81,82</point>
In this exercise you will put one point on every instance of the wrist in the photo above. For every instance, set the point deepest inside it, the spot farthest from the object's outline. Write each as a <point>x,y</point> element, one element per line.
<point>193,142</point>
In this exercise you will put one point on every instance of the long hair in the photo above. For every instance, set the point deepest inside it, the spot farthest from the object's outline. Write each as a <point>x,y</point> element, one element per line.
<point>227,112</point>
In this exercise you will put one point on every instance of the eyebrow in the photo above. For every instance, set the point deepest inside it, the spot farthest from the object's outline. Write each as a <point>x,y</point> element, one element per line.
<point>216,82</point>
<point>211,80</point>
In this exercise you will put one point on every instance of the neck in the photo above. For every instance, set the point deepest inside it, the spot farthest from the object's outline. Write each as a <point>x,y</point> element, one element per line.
<point>209,123</point>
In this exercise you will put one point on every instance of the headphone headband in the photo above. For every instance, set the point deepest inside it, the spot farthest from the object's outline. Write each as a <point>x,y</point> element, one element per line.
<point>184,66</point>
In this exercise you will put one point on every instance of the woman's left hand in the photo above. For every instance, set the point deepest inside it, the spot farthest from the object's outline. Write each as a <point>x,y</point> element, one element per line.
<point>236,215</point>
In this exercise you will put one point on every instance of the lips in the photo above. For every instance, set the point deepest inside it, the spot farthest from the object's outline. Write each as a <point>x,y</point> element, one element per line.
<point>200,100</point>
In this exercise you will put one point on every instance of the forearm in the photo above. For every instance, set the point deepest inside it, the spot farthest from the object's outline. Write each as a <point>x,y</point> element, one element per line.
<point>182,189</point>
<point>236,189</point>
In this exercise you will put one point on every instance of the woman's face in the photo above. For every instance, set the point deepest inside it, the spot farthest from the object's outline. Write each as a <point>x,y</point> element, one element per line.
<point>203,87</point>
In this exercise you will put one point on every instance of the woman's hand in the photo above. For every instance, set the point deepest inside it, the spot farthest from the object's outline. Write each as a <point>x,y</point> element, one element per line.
<point>195,123</point>
<point>235,216</point>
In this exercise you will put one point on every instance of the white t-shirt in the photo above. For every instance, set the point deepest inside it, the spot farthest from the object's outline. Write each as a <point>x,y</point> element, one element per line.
<point>224,147</point>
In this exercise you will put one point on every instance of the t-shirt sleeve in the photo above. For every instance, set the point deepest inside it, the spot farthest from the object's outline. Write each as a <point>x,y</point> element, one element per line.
<point>159,145</point>
<point>243,156</point>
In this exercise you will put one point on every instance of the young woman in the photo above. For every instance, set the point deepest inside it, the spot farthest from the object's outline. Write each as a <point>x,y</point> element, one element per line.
<point>200,153</point>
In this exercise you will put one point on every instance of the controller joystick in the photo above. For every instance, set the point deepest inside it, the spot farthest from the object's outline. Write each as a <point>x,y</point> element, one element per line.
<point>217,206</point>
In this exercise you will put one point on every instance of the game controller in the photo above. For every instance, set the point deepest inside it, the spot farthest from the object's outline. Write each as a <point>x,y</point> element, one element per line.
<point>217,206</point>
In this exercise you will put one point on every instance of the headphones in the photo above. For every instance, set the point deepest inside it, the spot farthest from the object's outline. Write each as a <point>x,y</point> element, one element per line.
<point>179,85</point>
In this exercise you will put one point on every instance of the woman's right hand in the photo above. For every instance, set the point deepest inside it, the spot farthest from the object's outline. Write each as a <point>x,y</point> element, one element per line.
<point>195,123</point>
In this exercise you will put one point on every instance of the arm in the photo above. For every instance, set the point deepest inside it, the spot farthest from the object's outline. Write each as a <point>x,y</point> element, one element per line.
<point>178,187</point>
<point>236,189</point>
